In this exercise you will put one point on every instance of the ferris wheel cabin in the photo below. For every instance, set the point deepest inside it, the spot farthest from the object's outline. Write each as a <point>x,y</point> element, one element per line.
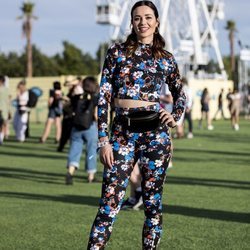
<point>107,12</point>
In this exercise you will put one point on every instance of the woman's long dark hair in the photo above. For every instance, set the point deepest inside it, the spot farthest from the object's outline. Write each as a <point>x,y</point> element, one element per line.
<point>158,41</point>
<point>203,95</point>
<point>90,85</point>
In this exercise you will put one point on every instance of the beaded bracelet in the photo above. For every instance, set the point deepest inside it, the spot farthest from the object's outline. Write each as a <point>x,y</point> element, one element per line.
<point>102,144</point>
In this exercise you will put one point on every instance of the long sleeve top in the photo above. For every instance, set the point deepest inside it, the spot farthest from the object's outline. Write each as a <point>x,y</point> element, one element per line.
<point>189,97</point>
<point>139,77</point>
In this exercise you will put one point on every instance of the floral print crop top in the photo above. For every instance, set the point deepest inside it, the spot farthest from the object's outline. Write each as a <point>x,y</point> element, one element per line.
<point>138,78</point>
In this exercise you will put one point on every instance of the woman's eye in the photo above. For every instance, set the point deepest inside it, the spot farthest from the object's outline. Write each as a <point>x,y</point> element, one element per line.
<point>148,17</point>
<point>137,19</point>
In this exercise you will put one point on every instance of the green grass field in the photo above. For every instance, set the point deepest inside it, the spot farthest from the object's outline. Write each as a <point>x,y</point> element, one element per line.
<point>206,197</point>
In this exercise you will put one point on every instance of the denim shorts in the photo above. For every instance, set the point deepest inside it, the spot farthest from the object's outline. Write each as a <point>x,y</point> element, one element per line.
<point>54,112</point>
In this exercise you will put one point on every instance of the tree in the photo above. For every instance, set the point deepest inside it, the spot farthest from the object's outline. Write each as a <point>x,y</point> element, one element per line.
<point>11,65</point>
<point>44,65</point>
<point>231,27</point>
<point>72,59</point>
<point>27,15</point>
<point>74,62</point>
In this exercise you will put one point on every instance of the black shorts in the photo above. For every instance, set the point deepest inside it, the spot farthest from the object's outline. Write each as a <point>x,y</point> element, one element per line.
<point>204,108</point>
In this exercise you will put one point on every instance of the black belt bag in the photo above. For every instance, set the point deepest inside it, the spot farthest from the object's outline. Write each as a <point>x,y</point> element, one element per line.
<point>141,121</point>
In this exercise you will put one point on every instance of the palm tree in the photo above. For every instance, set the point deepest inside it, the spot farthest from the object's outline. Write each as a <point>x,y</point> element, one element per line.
<point>231,27</point>
<point>27,16</point>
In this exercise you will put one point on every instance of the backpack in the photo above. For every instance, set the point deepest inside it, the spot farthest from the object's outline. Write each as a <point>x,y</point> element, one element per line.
<point>84,113</point>
<point>33,98</point>
<point>34,94</point>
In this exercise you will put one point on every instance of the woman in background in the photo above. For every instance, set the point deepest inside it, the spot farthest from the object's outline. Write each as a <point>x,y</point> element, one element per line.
<point>55,112</point>
<point>4,105</point>
<point>21,115</point>
<point>205,114</point>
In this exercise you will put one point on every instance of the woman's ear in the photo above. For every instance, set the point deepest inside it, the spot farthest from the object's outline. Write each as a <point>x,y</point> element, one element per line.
<point>158,22</point>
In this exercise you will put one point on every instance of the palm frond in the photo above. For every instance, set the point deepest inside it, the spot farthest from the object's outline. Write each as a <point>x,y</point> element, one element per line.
<point>27,8</point>
<point>20,17</point>
<point>231,25</point>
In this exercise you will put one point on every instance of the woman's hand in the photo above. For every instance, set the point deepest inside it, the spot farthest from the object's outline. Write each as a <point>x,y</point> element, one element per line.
<point>167,118</point>
<point>106,155</point>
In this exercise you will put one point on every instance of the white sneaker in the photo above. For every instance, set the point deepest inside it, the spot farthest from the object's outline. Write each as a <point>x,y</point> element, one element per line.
<point>190,135</point>
<point>210,127</point>
<point>236,127</point>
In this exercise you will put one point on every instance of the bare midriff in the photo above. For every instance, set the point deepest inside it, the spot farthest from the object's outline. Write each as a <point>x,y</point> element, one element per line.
<point>127,103</point>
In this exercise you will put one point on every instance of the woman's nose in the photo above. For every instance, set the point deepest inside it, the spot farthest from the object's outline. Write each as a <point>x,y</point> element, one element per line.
<point>142,21</point>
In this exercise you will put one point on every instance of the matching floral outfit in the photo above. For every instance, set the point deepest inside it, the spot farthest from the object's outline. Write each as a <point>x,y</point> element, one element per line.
<point>139,77</point>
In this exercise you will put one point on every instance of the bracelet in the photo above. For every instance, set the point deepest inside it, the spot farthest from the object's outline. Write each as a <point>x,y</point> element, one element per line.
<point>101,144</point>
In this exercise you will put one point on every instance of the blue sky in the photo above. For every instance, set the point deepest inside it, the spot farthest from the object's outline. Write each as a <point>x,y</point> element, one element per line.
<point>74,21</point>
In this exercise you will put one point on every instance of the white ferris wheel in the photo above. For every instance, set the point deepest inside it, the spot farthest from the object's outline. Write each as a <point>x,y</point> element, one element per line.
<point>188,27</point>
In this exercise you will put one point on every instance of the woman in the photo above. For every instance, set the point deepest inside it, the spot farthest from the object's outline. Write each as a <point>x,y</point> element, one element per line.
<point>235,109</point>
<point>21,115</point>
<point>55,112</point>
<point>132,76</point>
<point>205,99</point>
<point>84,109</point>
<point>4,106</point>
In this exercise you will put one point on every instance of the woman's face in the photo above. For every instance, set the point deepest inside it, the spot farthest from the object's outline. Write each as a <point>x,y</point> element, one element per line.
<point>21,88</point>
<point>144,23</point>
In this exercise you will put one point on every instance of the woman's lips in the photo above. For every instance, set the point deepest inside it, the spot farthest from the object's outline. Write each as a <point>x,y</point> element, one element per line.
<point>143,29</point>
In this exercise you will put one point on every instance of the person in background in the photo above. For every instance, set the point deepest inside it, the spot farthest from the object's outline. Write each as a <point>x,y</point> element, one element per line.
<point>188,109</point>
<point>229,100</point>
<point>245,100</point>
<point>21,115</point>
<point>248,102</point>
<point>235,109</point>
<point>74,88</point>
<point>132,77</point>
<point>4,105</point>
<point>6,127</point>
<point>167,104</point>
<point>55,112</point>
<point>80,136</point>
<point>8,122</point>
<point>205,99</point>
<point>220,106</point>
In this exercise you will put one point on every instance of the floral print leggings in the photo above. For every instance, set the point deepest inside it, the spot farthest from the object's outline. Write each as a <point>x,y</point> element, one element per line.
<point>153,150</point>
